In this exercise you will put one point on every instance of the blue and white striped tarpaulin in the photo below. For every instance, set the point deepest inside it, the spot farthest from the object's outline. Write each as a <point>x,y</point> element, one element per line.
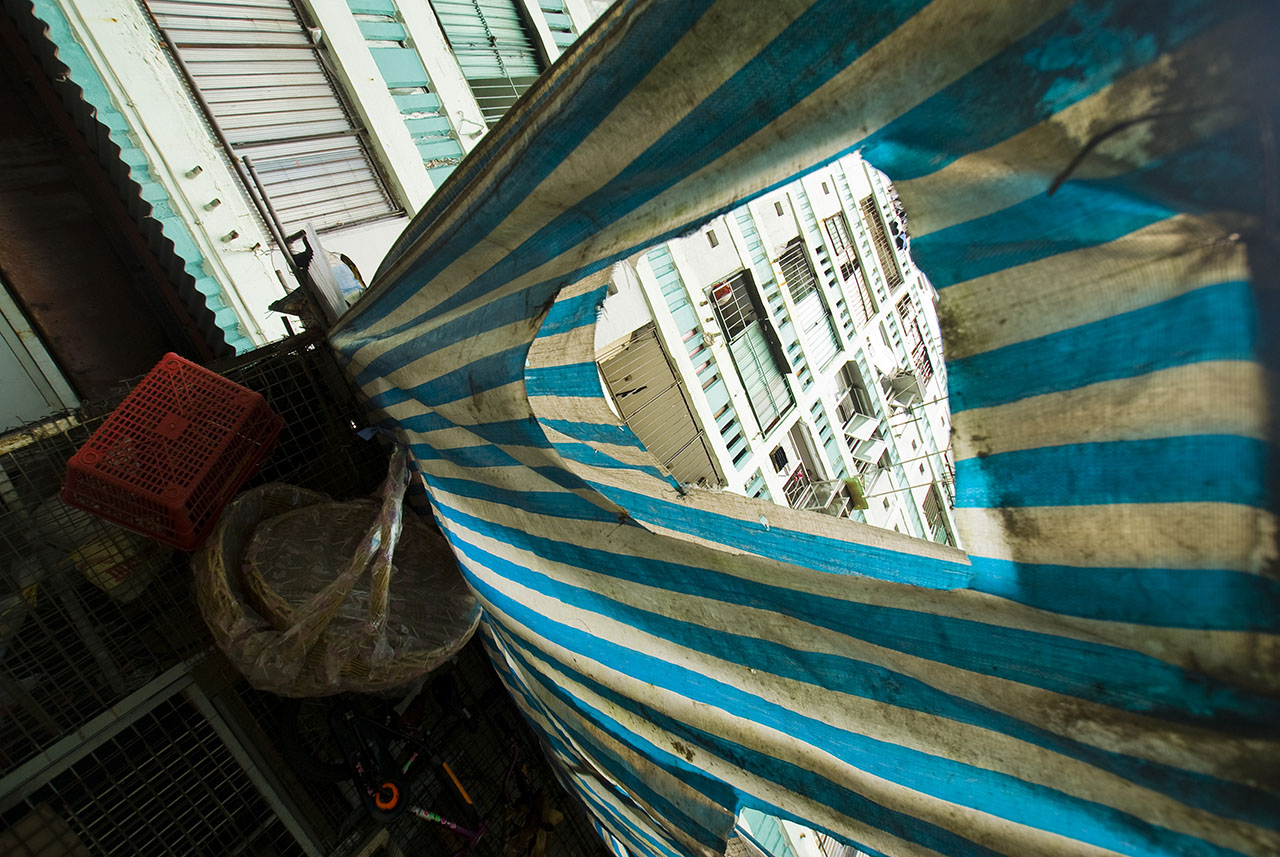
<point>1092,187</point>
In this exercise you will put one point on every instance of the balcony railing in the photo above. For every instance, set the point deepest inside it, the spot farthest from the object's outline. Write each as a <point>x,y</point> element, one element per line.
<point>798,489</point>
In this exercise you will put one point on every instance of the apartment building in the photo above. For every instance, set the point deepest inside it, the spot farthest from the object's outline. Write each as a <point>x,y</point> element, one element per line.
<point>789,350</point>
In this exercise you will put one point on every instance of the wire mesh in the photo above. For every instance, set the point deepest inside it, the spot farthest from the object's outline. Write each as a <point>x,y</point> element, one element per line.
<point>164,785</point>
<point>90,614</point>
<point>96,617</point>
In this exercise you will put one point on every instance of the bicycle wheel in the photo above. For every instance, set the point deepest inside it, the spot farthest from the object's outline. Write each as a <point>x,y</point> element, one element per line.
<point>306,742</point>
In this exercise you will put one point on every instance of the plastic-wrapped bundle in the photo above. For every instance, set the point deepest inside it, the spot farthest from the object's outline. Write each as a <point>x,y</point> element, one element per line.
<point>282,585</point>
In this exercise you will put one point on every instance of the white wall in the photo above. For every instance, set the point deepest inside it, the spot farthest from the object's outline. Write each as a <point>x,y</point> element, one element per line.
<point>708,265</point>
<point>623,311</point>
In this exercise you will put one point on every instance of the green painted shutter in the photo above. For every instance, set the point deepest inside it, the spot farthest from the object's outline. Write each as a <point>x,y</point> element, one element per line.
<point>495,48</point>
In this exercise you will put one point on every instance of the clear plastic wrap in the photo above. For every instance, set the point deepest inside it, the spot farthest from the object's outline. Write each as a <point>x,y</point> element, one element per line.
<point>303,620</point>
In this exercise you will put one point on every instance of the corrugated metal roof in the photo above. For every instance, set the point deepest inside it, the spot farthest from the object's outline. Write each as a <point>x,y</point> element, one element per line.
<point>105,129</point>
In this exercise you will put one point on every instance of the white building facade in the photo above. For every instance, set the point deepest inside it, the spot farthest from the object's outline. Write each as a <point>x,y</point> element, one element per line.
<point>352,112</point>
<point>789,350</point>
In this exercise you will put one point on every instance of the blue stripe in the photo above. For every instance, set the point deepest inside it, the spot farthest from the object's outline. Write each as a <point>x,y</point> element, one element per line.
<point>755,95</point>
<point>496,313</point>
<point>1207,599</point>
<point>621,772</point>
<point>716,795</point>
<point>469,381</point>
<point>851,676</point>
<point>1214,322</point>
<point>564,478</point>
<point>1197,468</point>
<point>713,790</point>
<point>611,70</point>
<point>526,432</point>
<point>809,550</point>
<point>987,791</point>
<point>618,435</point>
<point>661,847</point>
<point>634,789</point>
<point>593,457</point>
<point>571,313</point>
<point>559,504</point>
<point>572,379</point>
<point>1084,213</point>
<point>813,52</point>
<point>467,456</point>
<point>1108,675</point>
<point>1066,59</point>
<point>613,76</point>
<point>1080,215</point>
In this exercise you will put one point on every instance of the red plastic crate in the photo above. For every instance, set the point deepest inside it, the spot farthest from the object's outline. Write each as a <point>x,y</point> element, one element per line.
<point>172,455</point>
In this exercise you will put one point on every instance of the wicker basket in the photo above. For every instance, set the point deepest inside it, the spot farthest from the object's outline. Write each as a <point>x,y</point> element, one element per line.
<point>278,586</point>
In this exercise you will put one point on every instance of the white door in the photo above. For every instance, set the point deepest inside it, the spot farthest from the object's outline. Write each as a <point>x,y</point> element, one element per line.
<point>31,387</point>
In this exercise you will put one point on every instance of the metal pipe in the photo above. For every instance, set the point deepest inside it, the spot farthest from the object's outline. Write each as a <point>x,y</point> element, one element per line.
<point>277,228</point>
<point>221,136</point>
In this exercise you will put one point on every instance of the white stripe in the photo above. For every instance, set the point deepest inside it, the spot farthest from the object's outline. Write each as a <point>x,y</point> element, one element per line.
<point>693,803</point>
<point>631,455</point>
<point>627,131</point>
<point>510,478</point>
<point>1218,397</point>
<point>937,46</point>
<point>1129,535</point>
<point>1156,263</point>
<point>996,832</point>
<point>1230,656</point>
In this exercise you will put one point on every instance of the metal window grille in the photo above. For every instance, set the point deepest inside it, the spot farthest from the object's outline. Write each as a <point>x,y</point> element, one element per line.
<point>920,357</point>
<point>798,489</point>
<point>880,239</point>
<point>864,308</point>
<point>915,340</point>
<point>935,520</point>
<point>267,86</point>
<point>166,784</point>
<point>797,271</point>
<point>735,310</point>
<point>837,229</point>
<point>904,309</point>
